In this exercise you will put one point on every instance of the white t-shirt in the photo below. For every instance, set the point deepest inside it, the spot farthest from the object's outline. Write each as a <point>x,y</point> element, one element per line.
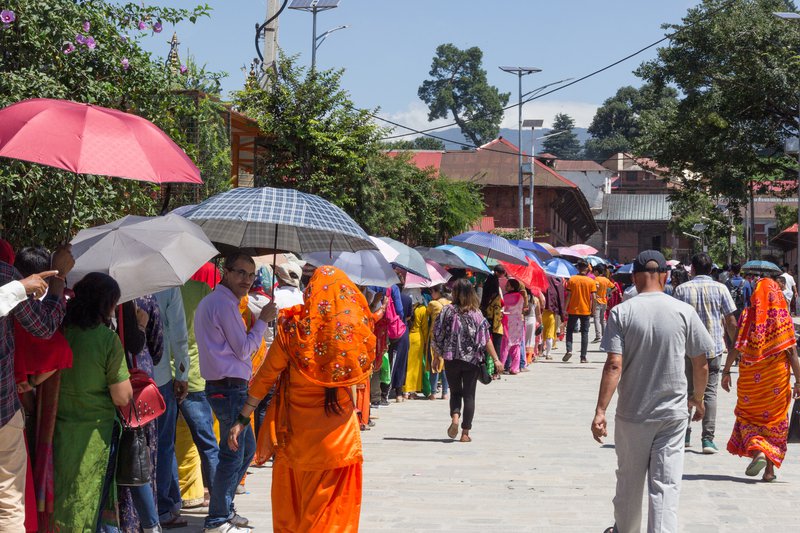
<point>789,281</point>
<point>288,296</point>
<point>11,294</point>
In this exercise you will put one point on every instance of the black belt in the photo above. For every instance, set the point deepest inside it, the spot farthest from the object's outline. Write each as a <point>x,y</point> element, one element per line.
<point>227,382</point>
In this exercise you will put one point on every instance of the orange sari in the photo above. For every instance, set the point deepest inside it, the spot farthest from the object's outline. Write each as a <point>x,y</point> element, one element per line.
<point>763,390</point>
<point>326,343</point>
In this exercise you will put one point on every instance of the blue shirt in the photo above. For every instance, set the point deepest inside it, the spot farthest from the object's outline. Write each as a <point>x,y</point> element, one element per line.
<point>175,362</point>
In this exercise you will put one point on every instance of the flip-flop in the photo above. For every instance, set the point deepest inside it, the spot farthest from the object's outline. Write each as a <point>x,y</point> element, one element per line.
<point>758,464</point>
<point>452,431</point>
<point>769,480</point>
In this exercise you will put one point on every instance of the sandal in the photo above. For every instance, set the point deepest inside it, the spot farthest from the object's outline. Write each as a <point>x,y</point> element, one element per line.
<point>755,467</point>
<point>452,430</point>
<point>174,523</point>
<point>465,438</point>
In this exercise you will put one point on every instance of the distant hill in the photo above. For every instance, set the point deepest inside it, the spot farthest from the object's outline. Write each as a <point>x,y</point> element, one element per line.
<point>455,136</point>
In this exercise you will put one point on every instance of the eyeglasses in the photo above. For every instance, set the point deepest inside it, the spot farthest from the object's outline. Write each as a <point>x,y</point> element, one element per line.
<point>250,276</point>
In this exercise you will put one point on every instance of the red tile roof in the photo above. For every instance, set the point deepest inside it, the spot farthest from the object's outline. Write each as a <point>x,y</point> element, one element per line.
<point>565,165</point>
<point>422,158</point>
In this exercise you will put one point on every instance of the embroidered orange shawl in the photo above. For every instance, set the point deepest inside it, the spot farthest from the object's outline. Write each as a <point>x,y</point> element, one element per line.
<point>329,338</point>
<point>766,326</point>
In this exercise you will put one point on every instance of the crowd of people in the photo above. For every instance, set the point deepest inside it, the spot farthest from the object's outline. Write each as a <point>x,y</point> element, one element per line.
<point>288,366</point>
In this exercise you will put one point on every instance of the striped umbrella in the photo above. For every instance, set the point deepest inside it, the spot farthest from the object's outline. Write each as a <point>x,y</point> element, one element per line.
<point>267,220</point>
<point>540,251</point>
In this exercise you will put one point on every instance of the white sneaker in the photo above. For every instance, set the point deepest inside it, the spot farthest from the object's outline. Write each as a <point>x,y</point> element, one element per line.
<point>227,527</point>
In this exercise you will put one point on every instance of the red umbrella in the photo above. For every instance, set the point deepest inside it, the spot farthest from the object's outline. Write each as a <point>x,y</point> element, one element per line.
<point>531,276</point>
<point>89,139</point>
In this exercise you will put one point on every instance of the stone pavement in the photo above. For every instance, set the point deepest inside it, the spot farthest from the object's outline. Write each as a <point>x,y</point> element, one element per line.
<point>533,466</point>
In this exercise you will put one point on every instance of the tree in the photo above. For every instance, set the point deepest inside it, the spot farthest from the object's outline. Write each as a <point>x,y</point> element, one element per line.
<point>785,216</point>
<point>561,141</point>
<point>615,126</point>
<point>459,87</point>
<point>418,143</point>
<point>40,56</point>
<point>740,96</point>
<point>320,143</point>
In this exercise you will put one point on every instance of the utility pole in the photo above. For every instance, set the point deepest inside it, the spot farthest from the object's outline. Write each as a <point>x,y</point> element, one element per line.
<point>271,35</point>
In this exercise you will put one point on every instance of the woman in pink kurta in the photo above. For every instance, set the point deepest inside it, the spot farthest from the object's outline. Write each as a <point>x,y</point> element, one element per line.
<point>513,325</point>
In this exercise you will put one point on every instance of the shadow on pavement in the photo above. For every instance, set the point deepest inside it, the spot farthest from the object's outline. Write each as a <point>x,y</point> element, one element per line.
<point>718,477</point>
<point>409,439</point>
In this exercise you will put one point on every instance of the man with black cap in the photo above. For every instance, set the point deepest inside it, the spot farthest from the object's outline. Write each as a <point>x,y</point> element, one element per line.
<point>647,339</point>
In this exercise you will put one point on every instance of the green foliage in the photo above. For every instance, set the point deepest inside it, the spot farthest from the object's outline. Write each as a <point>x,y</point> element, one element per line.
<point>35,200</point>
<point>459,87</point>
<point>737,66</point>
<point>563,145</point>
<point>785,216</point>
<point>418,143</point>
<point>616,124</point>
<point>322,144</point>
<point>523,234</point>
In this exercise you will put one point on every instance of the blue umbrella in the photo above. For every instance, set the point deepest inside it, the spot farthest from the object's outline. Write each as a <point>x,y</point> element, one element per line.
<point>533,257</point>
<point>540,251</point>
<point>489,245</point>
<point>366,267</point>
<point>560,268</point>
<point>470,258</point>
<point>761,267</point>
<point>267,220</point>
<point>594,260</point>
<point>625,269</point>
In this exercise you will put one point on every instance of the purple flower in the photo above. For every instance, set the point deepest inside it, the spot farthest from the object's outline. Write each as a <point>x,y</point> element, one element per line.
<point>86,25</point>
<point>184,69</point>
<point>7,17</point>
<point>125,63</point>
<point>90,43</point>
<point>142,25</point>
<point>124,38</point>
<point>69,48</point>
<point>80,39</point>
<point>157,27</point>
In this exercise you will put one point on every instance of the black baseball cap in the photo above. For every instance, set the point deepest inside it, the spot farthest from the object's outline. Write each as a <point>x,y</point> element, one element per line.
<point>640,263</point>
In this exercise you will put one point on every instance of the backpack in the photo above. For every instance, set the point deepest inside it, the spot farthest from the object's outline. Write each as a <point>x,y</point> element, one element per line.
<point>737,293</point>
<point>397,326</point>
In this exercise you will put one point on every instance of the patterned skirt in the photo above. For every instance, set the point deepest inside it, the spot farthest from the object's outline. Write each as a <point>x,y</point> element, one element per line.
<point>764,396</point>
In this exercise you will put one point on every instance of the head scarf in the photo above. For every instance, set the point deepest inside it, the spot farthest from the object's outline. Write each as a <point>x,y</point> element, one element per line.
<point>329,338</point>
<point>766,327</point>
<point>208,274</point>
<point>289,273</point>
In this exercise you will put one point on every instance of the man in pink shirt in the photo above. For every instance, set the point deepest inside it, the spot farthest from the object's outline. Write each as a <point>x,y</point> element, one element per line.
<point>225,348</point>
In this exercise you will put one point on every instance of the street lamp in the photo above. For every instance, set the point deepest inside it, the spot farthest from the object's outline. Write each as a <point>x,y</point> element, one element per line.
<point>314,7</point>
<point>321,38</point>
<point>795,17</point>
<point>532,124</point>
<point>520,71</point>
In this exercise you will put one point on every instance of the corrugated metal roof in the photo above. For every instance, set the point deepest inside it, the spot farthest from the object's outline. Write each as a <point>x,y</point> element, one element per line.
<point>567,165</point>
<point>636,207</point>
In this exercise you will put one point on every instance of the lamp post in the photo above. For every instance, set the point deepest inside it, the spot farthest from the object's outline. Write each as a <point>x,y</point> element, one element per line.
<point>314,7</point>
<point>532,124</point>
<point>520,72</point>
<point>795,17</point>
<point>321,38</point>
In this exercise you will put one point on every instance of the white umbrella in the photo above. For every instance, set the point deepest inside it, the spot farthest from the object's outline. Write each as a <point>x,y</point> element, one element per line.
<point>436,273</point>
<point>365,267</point>
<point>144,254</point>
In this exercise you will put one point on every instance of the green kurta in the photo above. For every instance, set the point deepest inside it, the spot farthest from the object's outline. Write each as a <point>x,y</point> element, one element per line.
<point>84,425</point>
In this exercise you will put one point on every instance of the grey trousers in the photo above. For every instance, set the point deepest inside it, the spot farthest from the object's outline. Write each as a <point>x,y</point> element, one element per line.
<point>651,450</point>
<point>599,319</point>
<point>710,396</point>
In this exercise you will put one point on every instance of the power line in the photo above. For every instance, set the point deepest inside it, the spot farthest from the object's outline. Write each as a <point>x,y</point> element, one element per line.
<point>413,131</point>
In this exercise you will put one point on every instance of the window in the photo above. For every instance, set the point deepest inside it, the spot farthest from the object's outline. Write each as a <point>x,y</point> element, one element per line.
<point>655,243</point>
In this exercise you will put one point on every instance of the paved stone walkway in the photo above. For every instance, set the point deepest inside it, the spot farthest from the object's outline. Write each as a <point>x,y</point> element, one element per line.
<point>533,466</point>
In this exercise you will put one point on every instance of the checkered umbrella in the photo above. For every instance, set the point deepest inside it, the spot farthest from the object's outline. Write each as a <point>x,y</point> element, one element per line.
<point>268,220</point>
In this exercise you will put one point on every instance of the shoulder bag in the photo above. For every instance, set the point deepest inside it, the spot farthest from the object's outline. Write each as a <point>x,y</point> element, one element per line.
<point>133,455</point>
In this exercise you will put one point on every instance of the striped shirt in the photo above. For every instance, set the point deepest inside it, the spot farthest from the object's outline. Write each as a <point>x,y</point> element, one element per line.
<point>713,302</point>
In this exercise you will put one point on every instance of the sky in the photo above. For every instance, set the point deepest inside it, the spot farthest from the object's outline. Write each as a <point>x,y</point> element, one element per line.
<point>387,50</point>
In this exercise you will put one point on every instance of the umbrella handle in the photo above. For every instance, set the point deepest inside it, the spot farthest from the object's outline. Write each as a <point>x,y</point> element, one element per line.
<point>71,209</point>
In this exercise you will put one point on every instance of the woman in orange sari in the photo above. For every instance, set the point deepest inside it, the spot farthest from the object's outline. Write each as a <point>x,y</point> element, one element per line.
<point>323,347</point>
<point>767,349</point>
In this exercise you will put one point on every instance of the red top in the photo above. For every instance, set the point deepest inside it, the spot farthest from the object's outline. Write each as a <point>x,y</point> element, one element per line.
<point>33,355</point>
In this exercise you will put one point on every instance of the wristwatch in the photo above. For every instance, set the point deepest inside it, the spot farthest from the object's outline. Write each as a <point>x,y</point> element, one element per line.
<point>243,420</point>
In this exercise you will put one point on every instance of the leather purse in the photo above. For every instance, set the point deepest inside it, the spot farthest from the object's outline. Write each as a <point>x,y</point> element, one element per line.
<point>133,455</point>
<point>147,403</point>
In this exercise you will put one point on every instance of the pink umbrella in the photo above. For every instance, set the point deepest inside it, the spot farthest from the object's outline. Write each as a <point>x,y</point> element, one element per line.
<point>584,249</point>
<point>89,139</point>
<point>438,276</point>
<point>570,252</point>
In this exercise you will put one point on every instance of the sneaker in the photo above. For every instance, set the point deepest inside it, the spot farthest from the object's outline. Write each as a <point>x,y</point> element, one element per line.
<point>596,340</point>
<point>239,520</point>
<point>566,357</point>
<point>240,489</point>
<point>709,447</point>
<point>227,527</point>
<point>384,403</point>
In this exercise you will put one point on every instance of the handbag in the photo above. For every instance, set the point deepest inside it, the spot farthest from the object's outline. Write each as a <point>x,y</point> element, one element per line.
<point>133,456</point>
<point>397,326</point>
<point>147,403</point>
<point>483,373</point>
<point>794,423</point>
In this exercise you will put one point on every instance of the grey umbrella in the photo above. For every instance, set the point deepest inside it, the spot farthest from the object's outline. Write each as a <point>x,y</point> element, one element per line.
<point>267,220</point>
<point>408,258</point>
<point>443,257</point>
